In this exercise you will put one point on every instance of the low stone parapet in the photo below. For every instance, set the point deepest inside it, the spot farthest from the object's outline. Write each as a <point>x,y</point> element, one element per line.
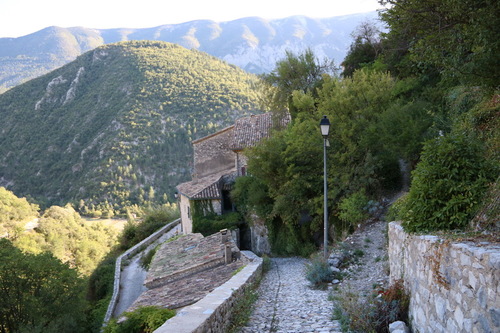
<point>213,312</point>
<point>128,254</point>
<point>454,286</point>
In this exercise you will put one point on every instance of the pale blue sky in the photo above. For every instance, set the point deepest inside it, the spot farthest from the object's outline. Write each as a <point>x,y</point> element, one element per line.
<point>22,17</point>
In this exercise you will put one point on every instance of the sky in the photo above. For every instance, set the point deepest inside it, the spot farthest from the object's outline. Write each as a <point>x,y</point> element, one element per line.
<point>22,17</point>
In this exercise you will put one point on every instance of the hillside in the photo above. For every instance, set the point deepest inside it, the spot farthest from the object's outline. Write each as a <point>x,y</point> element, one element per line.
<point>115,125</point>
<point>252,43</point>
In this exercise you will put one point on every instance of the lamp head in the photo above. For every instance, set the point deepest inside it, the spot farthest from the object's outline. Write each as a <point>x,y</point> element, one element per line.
<point>325,126</point>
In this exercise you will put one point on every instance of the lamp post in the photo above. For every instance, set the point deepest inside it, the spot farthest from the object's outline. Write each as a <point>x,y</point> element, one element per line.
<point>325,129</point>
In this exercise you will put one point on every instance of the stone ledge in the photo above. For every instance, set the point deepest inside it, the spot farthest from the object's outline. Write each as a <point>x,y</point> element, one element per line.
<point>212,313</point>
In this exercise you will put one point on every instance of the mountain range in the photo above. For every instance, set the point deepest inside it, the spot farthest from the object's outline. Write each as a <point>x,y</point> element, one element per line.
<point>114,126</point>
<point>253,44</point>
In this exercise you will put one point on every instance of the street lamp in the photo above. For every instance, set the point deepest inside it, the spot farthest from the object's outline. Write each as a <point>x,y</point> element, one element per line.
<point>325,129</point>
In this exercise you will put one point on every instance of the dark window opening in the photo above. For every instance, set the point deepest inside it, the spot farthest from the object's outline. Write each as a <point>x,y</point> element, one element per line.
<point>227,205</point>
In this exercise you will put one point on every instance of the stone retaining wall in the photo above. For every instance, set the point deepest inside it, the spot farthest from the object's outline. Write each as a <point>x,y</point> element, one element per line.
<point>128,254</point>
<point>454,287</point>
<point>212,313</point>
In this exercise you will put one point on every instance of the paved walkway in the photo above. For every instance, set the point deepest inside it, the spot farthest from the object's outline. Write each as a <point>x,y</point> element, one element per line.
<point>133,275</point>
<point>286,304</point>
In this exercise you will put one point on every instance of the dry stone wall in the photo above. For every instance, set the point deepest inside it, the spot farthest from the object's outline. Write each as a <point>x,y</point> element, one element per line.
<point>454,287</point>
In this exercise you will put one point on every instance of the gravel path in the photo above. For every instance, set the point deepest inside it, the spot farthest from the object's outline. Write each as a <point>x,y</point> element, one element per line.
<point>287,304</point>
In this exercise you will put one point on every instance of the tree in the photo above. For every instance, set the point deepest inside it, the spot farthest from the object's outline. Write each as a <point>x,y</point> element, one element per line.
<point>302,72</point>
<point>38,293</point>
<point>365,48</point>
<point>457,37</point>
<point>14,213</point>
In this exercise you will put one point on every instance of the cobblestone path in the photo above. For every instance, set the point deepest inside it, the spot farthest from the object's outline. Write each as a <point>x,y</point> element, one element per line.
<point>287,304</point>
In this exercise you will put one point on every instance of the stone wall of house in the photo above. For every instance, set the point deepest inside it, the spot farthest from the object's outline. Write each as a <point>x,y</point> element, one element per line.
<point>212,154</point>
<point>454,286</point>
<point>212,313</point>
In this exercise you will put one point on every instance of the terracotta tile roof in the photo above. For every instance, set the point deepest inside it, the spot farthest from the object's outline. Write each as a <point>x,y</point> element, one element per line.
<point>208,187</point>
<point>185,270</point>
<point>250,130</point>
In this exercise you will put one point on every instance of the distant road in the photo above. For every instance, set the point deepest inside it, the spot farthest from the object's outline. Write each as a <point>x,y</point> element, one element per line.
<point>133,276</point>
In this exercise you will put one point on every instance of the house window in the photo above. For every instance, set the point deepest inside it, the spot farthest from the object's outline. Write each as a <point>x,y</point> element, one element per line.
<point>243,171</point>
<point>189,211</point>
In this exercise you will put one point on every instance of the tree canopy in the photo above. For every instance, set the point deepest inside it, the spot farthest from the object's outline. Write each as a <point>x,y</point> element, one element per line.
<point>38,293</point>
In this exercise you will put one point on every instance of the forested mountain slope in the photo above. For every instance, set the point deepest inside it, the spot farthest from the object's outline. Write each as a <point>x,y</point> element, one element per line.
<point>252,43</point>
<point>115,125</point>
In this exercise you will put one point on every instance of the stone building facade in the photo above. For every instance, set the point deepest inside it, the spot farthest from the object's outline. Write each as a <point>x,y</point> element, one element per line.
<point>218,159</point>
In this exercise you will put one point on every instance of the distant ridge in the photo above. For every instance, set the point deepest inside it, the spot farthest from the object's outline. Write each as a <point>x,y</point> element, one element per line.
<point>253,44</point>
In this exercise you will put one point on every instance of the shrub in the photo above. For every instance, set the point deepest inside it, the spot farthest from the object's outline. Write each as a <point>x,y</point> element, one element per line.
<point>212,223</point>
<point>395,211</point>
<point>143,320</point>
<point>371,314</point>
<point>318,273</point>
<point>266,264</point>
<point>448,184</point>
<point>154,219</point>
<point>352,208</point>
<point>145,260</point>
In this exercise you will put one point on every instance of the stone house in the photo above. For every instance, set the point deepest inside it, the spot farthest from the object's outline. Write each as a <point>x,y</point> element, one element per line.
<point>218,159</point>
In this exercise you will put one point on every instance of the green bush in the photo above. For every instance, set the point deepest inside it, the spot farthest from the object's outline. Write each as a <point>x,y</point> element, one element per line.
<point>143,320</point>
<point>448,184</point>
<point>395,211</point>
<point>154,218</point>
<point>318,273</point>
<point>145,260</point>
<point>352,208</point>
<point>212,223</point>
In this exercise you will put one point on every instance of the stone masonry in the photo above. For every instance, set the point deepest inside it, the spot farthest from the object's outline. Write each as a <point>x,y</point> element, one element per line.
<point>454,287</point>
<point>187,269</point>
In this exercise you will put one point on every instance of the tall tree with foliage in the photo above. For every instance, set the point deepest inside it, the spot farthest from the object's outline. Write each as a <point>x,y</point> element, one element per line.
<point>302,72</point>
<point>459,38</point>
<point>365,48</point>
<point>38,293</point>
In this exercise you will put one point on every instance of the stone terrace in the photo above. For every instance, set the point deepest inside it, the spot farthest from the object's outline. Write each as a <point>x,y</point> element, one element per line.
<point>186,270</point>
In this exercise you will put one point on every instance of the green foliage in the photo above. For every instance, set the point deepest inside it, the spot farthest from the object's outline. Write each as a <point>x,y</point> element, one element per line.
<point>155,217</point>
<point>301,72</point>
<point>352,209</point>
<point>14,213</point>
<point>318,273</point>
<point>448,184</point>
<point>145,260</point>
<point>395,212</point>
<point>143,320</point>
<point>124,138</point>
<point>241,311</point>
<point>72,240</point>
<point>38,293</point>
<point>213,223</point>
<point>364,50</point>
<point>459,38</point>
